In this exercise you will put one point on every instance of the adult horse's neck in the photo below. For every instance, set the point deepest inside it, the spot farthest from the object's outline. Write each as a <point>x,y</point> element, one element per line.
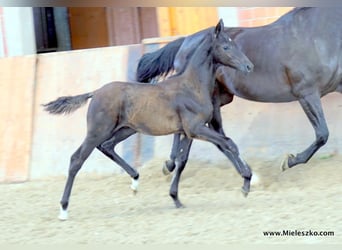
<point>201,66</point>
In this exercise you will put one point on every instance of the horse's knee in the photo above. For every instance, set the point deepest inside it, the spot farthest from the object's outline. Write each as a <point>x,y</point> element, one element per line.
<point>322,137</point>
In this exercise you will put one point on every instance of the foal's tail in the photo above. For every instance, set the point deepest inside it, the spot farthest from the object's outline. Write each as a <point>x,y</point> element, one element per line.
<point>67,104</point>
<point>158,63</point>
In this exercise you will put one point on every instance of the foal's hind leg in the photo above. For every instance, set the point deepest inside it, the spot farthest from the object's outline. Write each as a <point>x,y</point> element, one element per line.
<point>76,162</point>
<point>312,107</point>
<point>108,146</point>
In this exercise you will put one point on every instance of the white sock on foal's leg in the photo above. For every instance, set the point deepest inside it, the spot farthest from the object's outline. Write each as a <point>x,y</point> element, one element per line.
<point>255,179</point>
<point>134,185</point>
<point>63,214</point>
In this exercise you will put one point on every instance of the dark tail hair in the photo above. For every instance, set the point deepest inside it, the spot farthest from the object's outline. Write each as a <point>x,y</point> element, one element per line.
<point>67,104</point>
<point>158,63</point>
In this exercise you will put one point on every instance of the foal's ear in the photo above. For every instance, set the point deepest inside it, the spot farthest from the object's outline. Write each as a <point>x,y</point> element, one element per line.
<point>219,27</point>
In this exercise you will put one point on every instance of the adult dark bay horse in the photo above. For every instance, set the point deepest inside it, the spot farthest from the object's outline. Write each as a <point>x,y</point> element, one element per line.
<point>296,58</point>
<point>182,104</point>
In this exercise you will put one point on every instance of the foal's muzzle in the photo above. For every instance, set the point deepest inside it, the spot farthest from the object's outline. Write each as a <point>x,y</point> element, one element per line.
<point>249,67</point>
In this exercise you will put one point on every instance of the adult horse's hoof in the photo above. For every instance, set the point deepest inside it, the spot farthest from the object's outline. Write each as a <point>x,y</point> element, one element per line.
<point>285,163</point>
<point>167,166</point>
<point>165,170</point>
<point>179,205</point>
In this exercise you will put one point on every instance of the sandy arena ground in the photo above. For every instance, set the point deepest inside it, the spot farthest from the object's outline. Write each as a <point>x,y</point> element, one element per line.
<point>104,210</point>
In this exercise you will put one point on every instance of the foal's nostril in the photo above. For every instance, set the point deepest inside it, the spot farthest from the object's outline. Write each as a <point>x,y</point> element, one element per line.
<point>249,68</point>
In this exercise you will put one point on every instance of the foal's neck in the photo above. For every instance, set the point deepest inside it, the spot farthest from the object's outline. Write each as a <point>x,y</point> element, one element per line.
<point>202,65</point>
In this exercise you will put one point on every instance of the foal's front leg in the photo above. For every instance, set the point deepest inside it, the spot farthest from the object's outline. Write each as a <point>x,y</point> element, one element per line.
<point>215,124</point>
<point>228,148</point>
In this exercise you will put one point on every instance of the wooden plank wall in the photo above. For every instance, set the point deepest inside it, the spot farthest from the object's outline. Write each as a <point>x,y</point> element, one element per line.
<point>257,16</point>
<point>174,21</point>
<point>88,27</point>
<point>17,77</point>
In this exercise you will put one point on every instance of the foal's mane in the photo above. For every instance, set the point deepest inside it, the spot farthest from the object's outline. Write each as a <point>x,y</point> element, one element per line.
<point>191,56</point>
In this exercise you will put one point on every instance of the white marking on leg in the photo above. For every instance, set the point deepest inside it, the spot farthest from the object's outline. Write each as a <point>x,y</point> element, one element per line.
<point>255,179</point>
<point>134,185</point>
<point>63,214</point>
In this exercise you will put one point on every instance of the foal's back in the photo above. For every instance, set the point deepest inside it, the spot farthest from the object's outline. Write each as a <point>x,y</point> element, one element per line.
<point>146,108</point>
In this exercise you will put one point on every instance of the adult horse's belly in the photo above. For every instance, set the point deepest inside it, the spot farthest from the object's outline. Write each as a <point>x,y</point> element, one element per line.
<point>261,87</point>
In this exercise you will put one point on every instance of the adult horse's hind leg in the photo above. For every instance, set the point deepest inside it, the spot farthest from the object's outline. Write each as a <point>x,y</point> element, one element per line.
<point>108,147</point>
<point>312,107</point>
<point>182,156</point>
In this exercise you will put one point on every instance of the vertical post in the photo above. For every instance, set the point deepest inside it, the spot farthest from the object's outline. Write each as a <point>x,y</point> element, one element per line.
<point>18,30</point>
<point>137,150</point>
<point>62,28</point>
<point>3,43</point>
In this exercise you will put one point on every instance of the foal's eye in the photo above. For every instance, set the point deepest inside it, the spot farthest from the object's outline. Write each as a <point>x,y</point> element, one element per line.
<point>225,47</point>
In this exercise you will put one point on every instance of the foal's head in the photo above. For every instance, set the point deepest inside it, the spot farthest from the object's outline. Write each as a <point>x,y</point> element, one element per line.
<point>226,51</point>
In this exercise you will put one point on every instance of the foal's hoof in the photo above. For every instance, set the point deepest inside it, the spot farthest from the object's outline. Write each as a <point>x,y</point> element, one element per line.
<point>134,186</point>
<point>244,192</point>
<point>63,214</point>
<point>168,167</point>
<point>285,163</point>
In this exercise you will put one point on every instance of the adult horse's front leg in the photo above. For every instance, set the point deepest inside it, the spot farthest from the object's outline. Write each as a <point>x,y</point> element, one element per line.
<point>181,160</point>
<point>312,107</point>
<point>170,164</point>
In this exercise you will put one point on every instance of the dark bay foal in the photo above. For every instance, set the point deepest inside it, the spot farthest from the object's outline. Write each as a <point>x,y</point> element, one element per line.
<point>182,104</point>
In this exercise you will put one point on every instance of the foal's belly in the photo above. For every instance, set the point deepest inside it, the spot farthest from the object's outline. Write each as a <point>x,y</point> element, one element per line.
<point>158,119</point>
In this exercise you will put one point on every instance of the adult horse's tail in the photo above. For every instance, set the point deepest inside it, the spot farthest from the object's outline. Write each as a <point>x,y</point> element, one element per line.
<point>158,63</point>
<point>67,104</point>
